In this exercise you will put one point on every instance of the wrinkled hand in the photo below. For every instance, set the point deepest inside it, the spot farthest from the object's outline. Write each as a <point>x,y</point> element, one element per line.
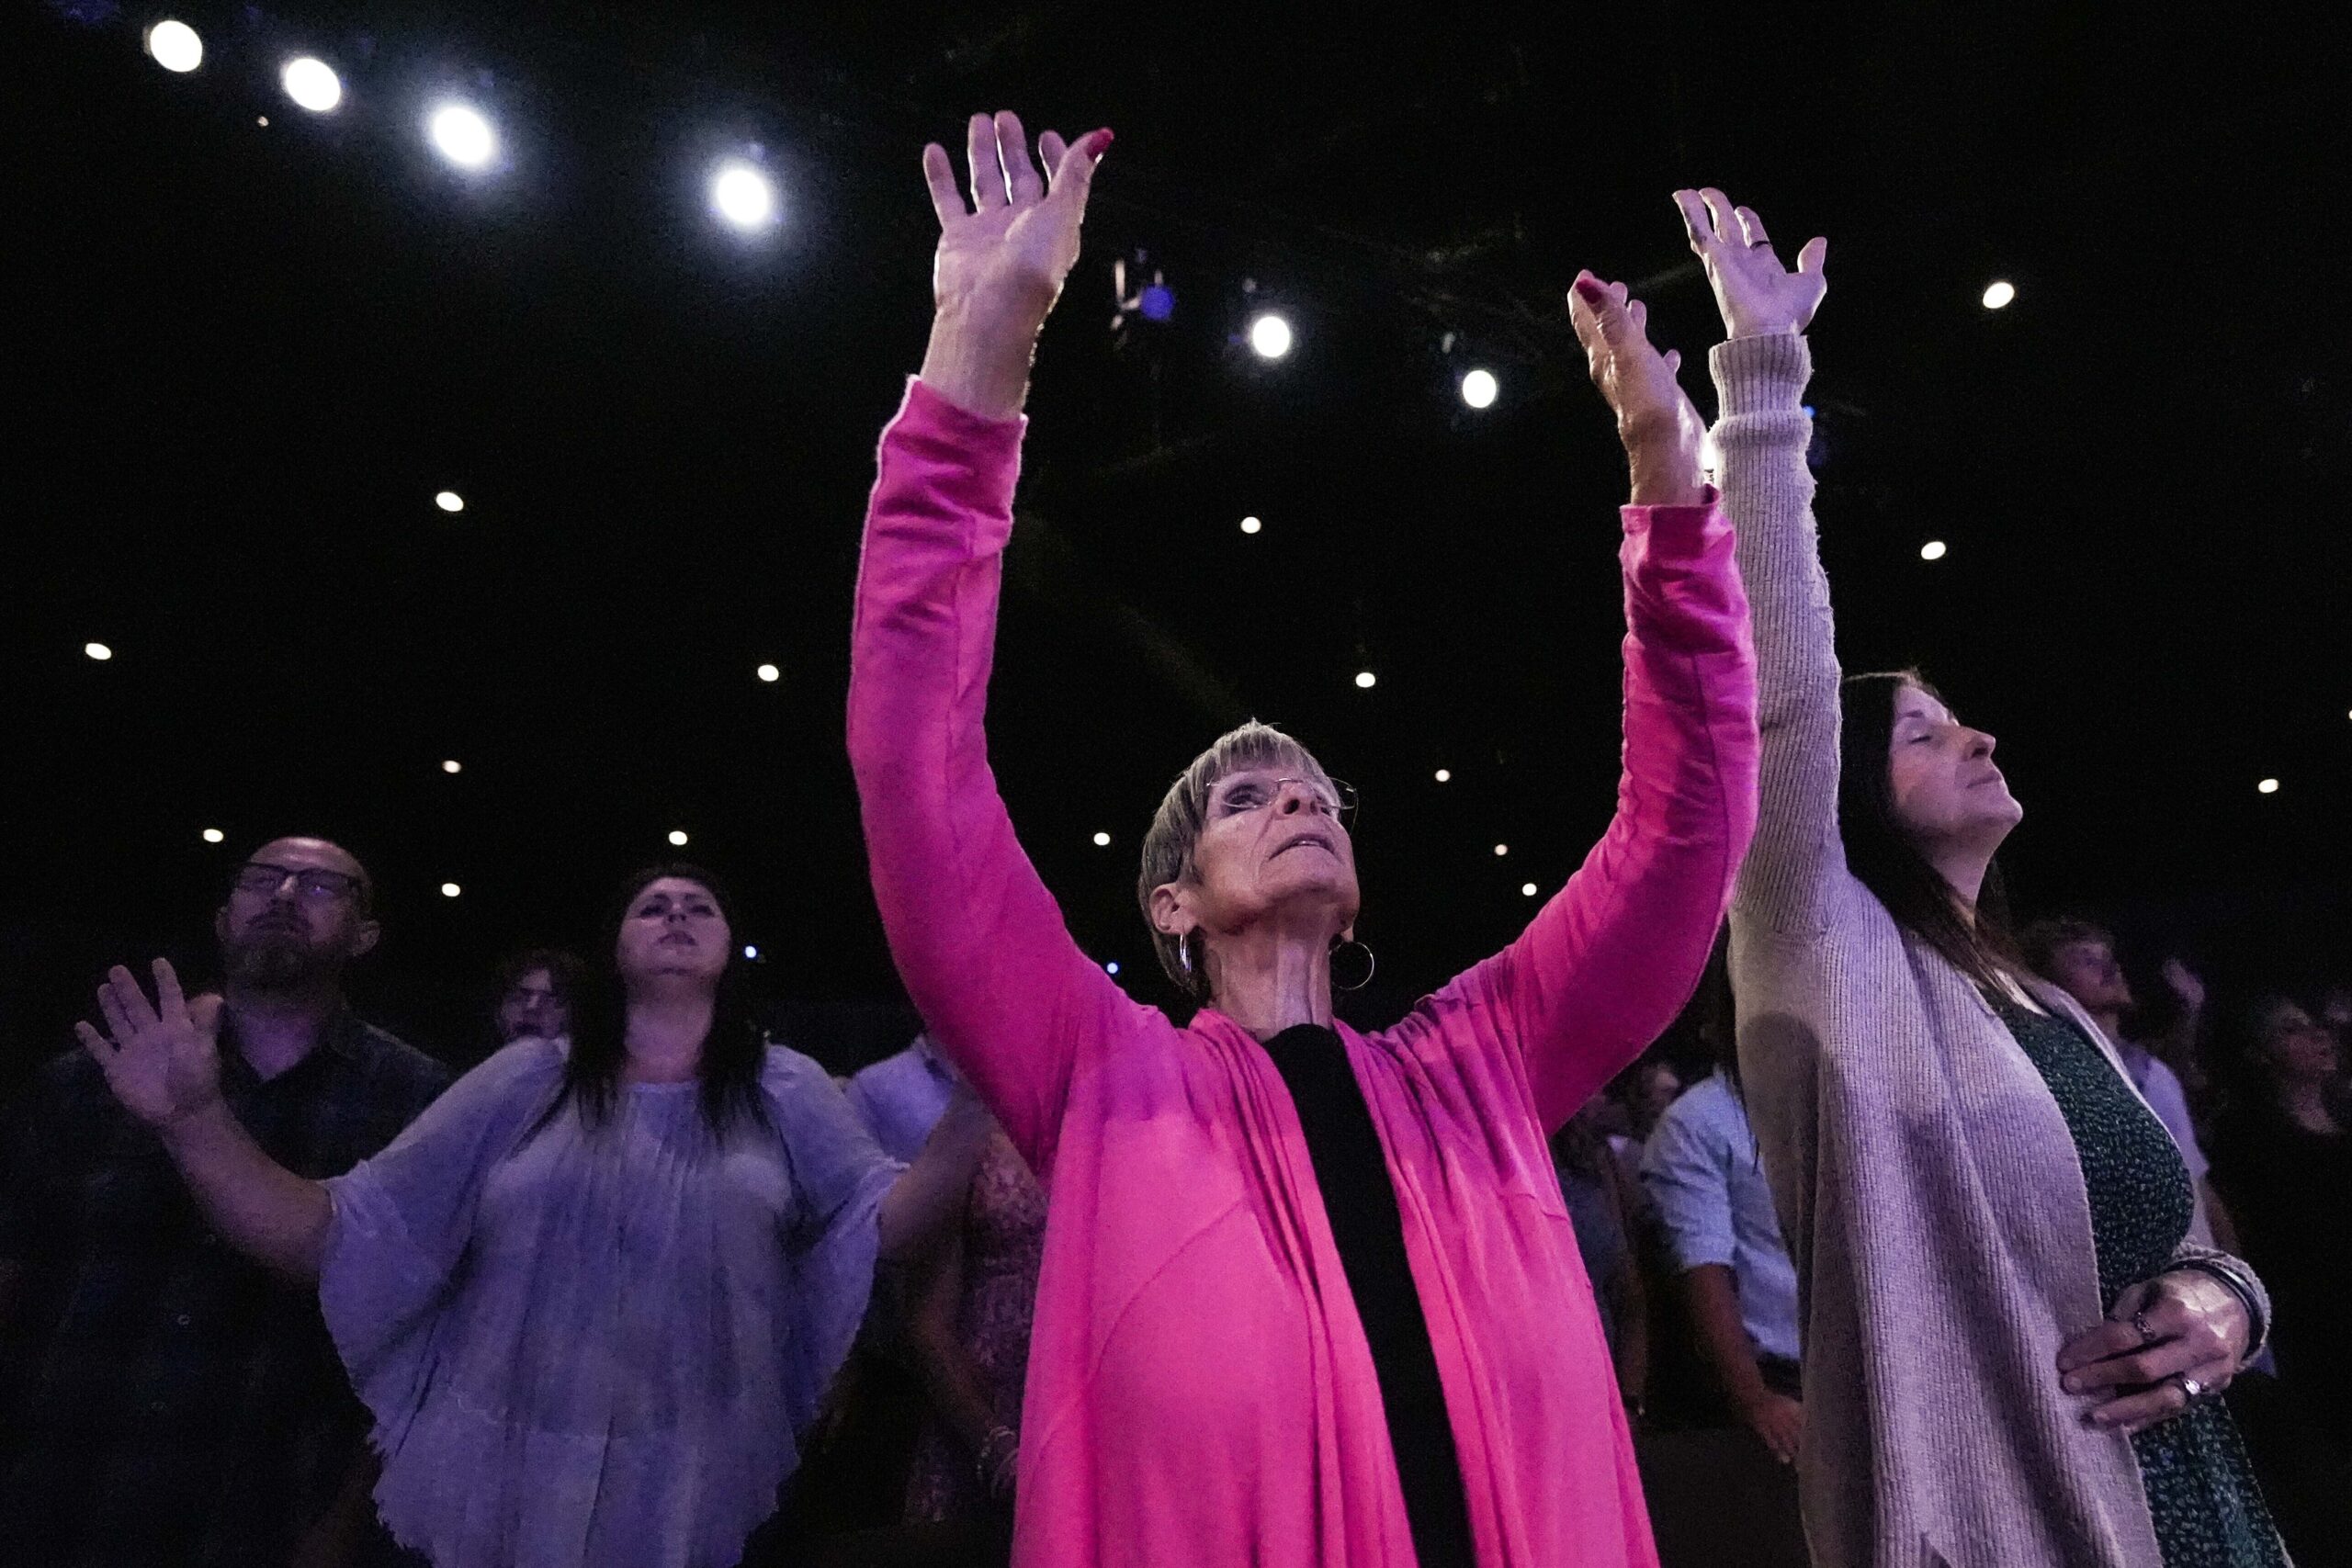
<point>2193,1324</point>
<point>2183,983</point>
<point>1655,419</point>
<point>1009,252</point>
<point>1757,295</point>
<point>1780,1421</point>
<point>163,1061</point>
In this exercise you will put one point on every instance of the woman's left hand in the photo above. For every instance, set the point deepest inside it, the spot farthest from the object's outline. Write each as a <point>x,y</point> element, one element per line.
<point>2180,1328</point>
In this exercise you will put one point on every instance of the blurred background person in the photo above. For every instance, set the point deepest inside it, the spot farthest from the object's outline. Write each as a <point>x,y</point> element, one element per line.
<point>537,989</point>
<point>901,1096</point>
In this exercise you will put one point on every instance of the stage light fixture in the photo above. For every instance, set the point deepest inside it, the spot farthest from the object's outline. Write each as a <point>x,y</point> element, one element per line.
<point>1366,680</point>
<point>449,501</point>
<point>2269,786</point>
<point>1501,849</point>
<point>313,84</point>
<point>461,135</point>
<point>769,673</point>
<point>451,765</point>
<point>1479,388</point>
<point>1446,775</point>
<point>1101,840</point>
<point>214,835</point>
<point>742,196</point>
<point>751,950</point>
<point>1270,336</point>
<point>1527,890</point>
<point>173,45</point>
<point>1112,967</point>
<point>677,837</point>
<point>98,651</point>
<point>1998,293</point>
<point>450,890</point>
<point>1250,524</point>
<point>1934,549</point>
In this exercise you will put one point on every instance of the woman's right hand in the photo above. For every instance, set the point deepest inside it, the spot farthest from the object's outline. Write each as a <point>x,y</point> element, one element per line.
<point>1001,260</point>
<point>162,1060</point>
<point>1757,295</point>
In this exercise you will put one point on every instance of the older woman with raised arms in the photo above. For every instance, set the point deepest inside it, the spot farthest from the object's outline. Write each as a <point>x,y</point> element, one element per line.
<point>1309,1296</point>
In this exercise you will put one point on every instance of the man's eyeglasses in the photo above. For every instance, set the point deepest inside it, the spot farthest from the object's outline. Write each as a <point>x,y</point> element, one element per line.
<point>314,883</point>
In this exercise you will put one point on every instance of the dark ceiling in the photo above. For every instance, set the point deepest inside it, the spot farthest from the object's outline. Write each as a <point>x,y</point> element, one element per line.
<point>247,356</point>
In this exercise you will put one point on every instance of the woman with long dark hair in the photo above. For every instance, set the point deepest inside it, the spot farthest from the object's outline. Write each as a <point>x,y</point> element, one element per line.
<point>2013,1325</point>
<point>1308,1296</point>
<point>595,1293</point>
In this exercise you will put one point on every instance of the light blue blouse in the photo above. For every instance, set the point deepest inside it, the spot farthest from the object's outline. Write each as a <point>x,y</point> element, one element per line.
<point>598,1346</point>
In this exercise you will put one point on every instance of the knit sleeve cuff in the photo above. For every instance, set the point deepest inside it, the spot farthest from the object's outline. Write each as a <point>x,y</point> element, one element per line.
<point>1765,373</point>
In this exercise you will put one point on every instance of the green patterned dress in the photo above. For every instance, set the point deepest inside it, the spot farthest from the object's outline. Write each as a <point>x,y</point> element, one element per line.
<point>2206,1505</point>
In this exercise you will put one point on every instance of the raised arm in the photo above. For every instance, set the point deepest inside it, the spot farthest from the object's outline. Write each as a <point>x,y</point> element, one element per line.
<point>1762,435</point>
<point>1613,957</point>
<point>163,1061</point>
<point>977,940</point>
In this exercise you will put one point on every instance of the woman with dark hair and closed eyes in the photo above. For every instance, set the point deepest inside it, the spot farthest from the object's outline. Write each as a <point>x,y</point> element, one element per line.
<point>2013,1323</point>
<point>1308,1296</point>
<point>594,1295</point>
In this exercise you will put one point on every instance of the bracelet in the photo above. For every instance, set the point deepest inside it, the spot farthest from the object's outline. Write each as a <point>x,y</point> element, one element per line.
<point>2257,1326</point>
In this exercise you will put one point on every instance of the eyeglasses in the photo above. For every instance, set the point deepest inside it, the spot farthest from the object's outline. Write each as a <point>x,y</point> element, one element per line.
<point>1334,798</point>
<point>313,883</point>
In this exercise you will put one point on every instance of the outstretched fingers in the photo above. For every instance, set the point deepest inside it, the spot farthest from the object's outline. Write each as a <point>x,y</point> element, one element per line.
<point>987,167</point>
<point>939,173</point>
<point>171,1002</point>
<point>1074,164</point>
<point>100,1049</point>
<point>130,998</point>
<point>1815,251</point>
<point>1021,174</point>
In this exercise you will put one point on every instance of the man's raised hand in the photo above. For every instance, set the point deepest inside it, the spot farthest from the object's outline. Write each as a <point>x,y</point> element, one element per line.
<point>162,1060</point>
<point>1757,293</point>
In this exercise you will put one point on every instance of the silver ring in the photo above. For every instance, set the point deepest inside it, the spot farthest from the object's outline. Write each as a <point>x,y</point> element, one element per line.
<point>2190,1387</point>
<point>2140,1322</point>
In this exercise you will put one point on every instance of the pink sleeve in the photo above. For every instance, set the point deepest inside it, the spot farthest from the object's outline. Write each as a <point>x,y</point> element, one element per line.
<point>977,940</point>
<point>1610,960</point>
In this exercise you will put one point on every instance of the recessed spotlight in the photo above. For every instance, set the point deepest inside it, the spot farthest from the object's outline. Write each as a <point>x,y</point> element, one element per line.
<point>1479,388</point>
<point>451,765</point>
<point>97,650</point>
<point>1933,549</point>
<point>449,501</point>
<point>1250,524</point>
<point>1446,775</point>
<point>751,950</point>
<point>174,45</point>
<point>742,196</point>
<point>677,837</point>
<point>1270,336</point>
<point>1502,849</point>
<point>313,84</point>
<point>214,835</point>
<point>2269,786</point>
<point>450,890</point>
<point>769,672</point>
<point>1112,967</point>
<point>462,135</point>
<point>1527,889</point>
<point>1999,293</point>
<point>1366,680</point>
<point>1101,840</point>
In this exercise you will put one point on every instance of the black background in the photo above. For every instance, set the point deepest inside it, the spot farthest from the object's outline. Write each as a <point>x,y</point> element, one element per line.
<point>245,358</point>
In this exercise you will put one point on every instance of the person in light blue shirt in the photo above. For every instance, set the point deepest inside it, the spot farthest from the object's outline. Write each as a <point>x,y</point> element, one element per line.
<point>902,1097</point>
<point>1707,1184</point>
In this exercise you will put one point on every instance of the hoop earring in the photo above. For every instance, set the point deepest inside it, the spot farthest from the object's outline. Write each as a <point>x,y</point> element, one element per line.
<point>1371,964</point>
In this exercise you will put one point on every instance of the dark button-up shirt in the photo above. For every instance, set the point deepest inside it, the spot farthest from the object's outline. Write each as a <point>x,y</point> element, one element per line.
<point>162,1399</point>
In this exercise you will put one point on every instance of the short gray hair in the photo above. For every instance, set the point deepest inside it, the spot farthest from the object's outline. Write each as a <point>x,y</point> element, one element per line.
<point>1184,812</point>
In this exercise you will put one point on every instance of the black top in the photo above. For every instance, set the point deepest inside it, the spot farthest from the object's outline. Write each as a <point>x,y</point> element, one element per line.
<point>1353,1172</point>
<point>162,1399</point>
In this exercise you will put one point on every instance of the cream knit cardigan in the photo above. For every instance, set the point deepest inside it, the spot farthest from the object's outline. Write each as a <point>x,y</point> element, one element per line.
<point>1925,1177</point>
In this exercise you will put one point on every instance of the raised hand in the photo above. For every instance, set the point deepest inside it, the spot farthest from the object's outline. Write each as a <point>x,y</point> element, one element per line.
<point>1654,420</point>
<point>1001,259</point>
<point>1757,295</point>
<point>2184,985</point>
<point>162,1060</point>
